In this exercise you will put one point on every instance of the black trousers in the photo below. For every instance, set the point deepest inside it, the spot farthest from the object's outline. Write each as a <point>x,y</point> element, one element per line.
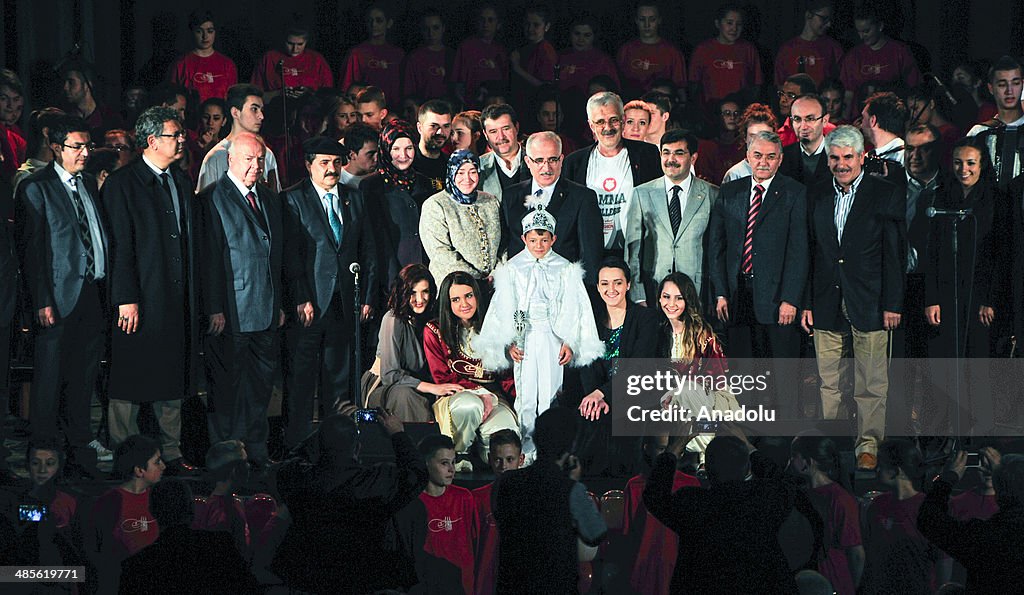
<point>65,368</point>
<point>240,378</point>
<point>318,357</point>
<point>748,339</point>
<point>5,388</point>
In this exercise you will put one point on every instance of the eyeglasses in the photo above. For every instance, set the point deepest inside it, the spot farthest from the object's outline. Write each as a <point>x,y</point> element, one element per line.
<point>613,122</point>
<point>542,161</point>
<point>785,94</point>
<point>727,113</point>
<point>824,17</point>
<point>808,119</point>
<point>177,135</point>
<point>79,147</point>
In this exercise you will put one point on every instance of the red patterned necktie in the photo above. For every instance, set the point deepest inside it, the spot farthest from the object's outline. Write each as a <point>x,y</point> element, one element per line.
<point>748,244</point>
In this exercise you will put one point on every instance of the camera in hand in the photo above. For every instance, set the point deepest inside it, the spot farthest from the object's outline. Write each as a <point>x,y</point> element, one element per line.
<point>873,164</point>
<point>366,416</point>
<point>32,513</point>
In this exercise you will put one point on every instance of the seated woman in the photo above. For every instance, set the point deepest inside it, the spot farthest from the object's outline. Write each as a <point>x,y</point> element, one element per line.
<point>482,406</point>
<point>400,380</point>
<point>461,226</point>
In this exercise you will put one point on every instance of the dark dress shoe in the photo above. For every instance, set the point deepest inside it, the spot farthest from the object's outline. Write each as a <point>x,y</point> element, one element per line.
<point>179,468</point>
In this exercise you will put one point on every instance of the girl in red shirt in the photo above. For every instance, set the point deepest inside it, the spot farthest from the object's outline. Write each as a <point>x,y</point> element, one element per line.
<point>534,63</point>
<point>726,64</point>
<point>375,61</point>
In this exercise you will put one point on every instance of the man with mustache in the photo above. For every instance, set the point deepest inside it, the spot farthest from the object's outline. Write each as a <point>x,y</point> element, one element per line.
<point>503,166</point>
<point>152,285</point>
<point>326,232</point>
<point>434,123</point>
<point>858,262</point>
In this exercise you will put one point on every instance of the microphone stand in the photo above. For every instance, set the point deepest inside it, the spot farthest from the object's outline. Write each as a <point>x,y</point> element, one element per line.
<point>357,310</point>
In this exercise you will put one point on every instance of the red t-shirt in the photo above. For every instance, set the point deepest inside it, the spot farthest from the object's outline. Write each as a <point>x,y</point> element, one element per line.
<point>123,522</point>
<point>986,111</point>
<point>63,509</point>
<point>425,72</point>
<point>709,165</point>
<point>896,552</point>
<point>656,557</point>
<point>577,68</point>
<point>842,531</point>
<point>892,63</point>
<point>487,544</point>
<point>452,530</point>
<point>215,515</point>
<point>377,65</point>
<point>210,76</point>
<point>788,136</point>
<point>821,59</point>
<point>308,69</point>
<point>972,505</point>
<point>477,61</point>
<point>723,69</point>
<point>640,63</point>
<point>12,150</point>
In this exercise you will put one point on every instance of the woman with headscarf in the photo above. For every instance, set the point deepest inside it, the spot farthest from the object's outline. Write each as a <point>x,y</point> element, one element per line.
<point>461,226</point>
<point>393,197</point>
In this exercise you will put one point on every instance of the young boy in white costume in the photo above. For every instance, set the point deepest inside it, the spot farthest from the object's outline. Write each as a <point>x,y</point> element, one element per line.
<point>539,320</point>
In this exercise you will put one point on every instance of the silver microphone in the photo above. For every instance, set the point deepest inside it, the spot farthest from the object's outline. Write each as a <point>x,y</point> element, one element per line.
<point>933,212</point>
<point>354,267</point>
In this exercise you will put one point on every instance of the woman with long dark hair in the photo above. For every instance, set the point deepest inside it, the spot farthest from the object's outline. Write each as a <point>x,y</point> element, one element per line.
<point>481,406</point>
<point>816,459</point>
<point>400,380</point>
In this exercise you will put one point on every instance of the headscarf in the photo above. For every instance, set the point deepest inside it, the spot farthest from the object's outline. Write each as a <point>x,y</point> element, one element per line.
<point>457,160</point>
<point>390,134</point>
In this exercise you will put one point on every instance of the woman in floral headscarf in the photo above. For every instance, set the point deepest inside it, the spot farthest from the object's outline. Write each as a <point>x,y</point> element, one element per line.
<point>393,197</point>
<point>461,226</point>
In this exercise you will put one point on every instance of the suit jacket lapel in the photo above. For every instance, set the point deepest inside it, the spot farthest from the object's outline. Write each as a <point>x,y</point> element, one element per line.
<point>259,220</point>
<point>694,202</point>
<point>321,214</point>
<point>770,199</point>
<point>63,200</point>
<point>557,199</point>
<point>659,206</point>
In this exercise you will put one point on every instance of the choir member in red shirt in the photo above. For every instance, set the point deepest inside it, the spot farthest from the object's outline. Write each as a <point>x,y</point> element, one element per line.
<point>534,63</point>
<point>80,93</point>
<point>834,94</point>
<point>297,70</point>
<point>878,59</point>
<point>654,545</point>
<point>506,454</point>
<point>376,61</point>
<point>793,87</point>
<point>550,116</point>
<point>648,57</point>
<point>12,103</point>
<point>813,51</point>
<point>581,61</point>
<point>816,459</point>
<point>204,70</point>
<point>726,64</point>
<point>926,106</point>
<point>452,523</point>
<point>426,68</point>
<point>480,58</point>
<point>968,76</point>
<point>732,146</point>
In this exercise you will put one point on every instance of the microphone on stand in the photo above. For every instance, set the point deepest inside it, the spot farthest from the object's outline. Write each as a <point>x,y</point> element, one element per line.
<point>358,344</point>
<point>932,212</point>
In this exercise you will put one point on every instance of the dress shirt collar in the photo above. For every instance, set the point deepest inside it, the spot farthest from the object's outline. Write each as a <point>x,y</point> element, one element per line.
<point>546,193</point>
<point>156,170</point>
<point>889,148</point>
<point>517,162</point>
<point>930,183</point>
<point>321,192</point>
<point>684,187</point>
<point>818,151</point>
<point>765,184</point>
<point>242,187</point>
<point>63,174</point>
<point>853,187</point>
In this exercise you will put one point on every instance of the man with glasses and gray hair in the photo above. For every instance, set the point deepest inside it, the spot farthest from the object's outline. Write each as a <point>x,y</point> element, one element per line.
<point>612,167</point>
<point>152,285</point>
<point>574,207</point>
<point>858,263</point>
<point>62,245</point>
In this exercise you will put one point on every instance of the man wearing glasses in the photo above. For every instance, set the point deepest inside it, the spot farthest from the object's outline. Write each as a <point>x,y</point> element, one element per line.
<point>805,161</point>
<point>612,167</point>
<point>574,206</point>
<point>117,139</point>
<point>812,52</point>
<point>793,87</point>
<point>62,244</point>
<point>152,285</point>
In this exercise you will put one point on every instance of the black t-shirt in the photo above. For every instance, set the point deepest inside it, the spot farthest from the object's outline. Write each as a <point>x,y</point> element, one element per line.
<point>435,170</point>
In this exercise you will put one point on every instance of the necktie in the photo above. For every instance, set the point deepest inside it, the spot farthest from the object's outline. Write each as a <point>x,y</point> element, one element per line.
<point>748,243</point>
<point>332,216</point>
<point>251,197</point>
<point>535,200</point>
<point>84,229</point>
<point>675,211</point>
<point>165,180</point>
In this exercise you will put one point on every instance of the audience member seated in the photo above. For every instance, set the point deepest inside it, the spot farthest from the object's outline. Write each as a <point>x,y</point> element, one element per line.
<point>227,468</point>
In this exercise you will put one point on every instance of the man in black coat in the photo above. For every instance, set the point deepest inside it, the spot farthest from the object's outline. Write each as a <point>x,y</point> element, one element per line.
<point>326,233</point>
<point>858,262</point>
<point>610,173</point>
<point>806,161</point>
<point>149,205</point>
<point>759,262</point>
<point>573,206</point>
<point>242,294</point>
<point>62,243</point>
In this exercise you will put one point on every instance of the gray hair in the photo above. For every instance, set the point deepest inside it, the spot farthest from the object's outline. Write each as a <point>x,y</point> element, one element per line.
<point>546,135</point>
<point>845,136</point>
<point>602,99</point>
<point>151,123</point>
<point>766,136</point>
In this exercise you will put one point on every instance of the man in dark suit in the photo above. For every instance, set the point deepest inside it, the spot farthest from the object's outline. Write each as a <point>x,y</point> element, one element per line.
<point>858,262</point>
<point>149,206</point>
<point>62,242</point>
<point>242,256</point>
<point>612,167</point>
<point>805,161</point>
<point>759,260</point>
<point>326,232</point>
<point>573,206</point>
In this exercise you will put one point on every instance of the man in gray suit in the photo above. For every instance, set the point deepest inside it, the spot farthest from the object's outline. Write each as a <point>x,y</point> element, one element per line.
<point>242,254</point>
<point>62,243</point>
<point>666,223</point>
<point>326,229</point>
<point>503,166</point>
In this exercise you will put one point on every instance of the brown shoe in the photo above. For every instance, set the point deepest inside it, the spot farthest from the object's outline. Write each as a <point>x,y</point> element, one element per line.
<point>866,461</point>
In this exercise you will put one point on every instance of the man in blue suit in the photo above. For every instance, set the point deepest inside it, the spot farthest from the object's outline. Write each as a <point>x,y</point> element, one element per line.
<point>242,258</point>
<point>326,232</point>
<point>62,243</point>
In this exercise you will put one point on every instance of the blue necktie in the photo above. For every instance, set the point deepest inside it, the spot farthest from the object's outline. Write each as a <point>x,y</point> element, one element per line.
<point>332,216</point>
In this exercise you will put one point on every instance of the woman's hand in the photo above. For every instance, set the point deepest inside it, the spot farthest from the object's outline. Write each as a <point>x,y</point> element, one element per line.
<point>593,406</point>
<point>442,390</point>
<point>488,400</point>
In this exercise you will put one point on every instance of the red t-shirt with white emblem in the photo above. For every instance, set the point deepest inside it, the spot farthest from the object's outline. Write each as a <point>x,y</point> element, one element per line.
<point>893,63</point>
<point>123,522</point>
<point>377,65</point>
<point>722,69</point>
<point>426,71</point>
<point>487,544</point>
<point>821,59</point>
<point>308,69</point>
<point>477,61</point>
<point>640,63</point>
<point>209,77</point>
<point>452,530</point>
<point>577,68</point>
